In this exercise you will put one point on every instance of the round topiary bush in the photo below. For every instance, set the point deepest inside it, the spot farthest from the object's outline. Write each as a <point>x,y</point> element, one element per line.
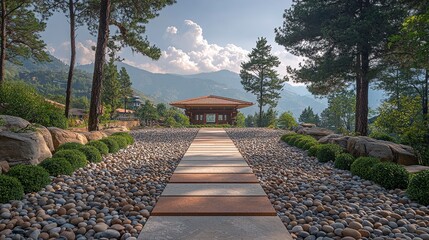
<point>10,189</point>
<point>287,137</point>
<point>92,154</point>
<point>57,166</point>
<point>312,151</point>
<point>101,146</point>
<point>344,161</point>
<point>126,135</point>
<point>69,145</point>
<point>328,152</point>
<point>122,141</point>
<point>310,144</point>
<point>418,188</point>
<point>75,157</point>
<point>362,167</point>
<point>294,141</point>
<point>33,178</point>
<point>390,175</point>
<point>111,144</point>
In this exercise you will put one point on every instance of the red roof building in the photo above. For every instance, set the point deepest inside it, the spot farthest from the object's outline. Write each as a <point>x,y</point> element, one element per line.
<point>211,109</point>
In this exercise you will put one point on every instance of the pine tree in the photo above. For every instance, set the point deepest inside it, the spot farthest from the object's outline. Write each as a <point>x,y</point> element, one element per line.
<point>259,77</point>
<point>343,42</point>
<point>308,116</point>
<point>125,83</point>
<point>111,90</point>
<point>20,34</point>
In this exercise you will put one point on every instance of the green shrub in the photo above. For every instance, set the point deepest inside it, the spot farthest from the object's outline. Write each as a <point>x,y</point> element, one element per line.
<point>287,137</point>
<point>22,100</point>
<point>57,166</point>
<point>92,154</point>
<point>69,145</point>
<point>344,161</point>
<point>122,142</point>
<point>328,152</point>
<point>101,146</point>
<point>310,144</point>
<point>382,136</point>
<point>126,135</point>
<point>75,157</point>
<point>287,121</point>
<point>418,188</point>
<point>362,167</point>
<point>390,175</point>
<point>312,151</point>
<point>111,144</point>
<point>33,178</point>
<point>10,189</point>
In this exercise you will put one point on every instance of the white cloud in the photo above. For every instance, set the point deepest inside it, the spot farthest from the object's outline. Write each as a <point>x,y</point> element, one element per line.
<point>84,52</point>
<point>189,52</point>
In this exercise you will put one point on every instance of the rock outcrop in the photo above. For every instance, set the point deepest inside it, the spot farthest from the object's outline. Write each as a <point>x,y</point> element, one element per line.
<point>366,146</point>
<point>315,132</point>
<point>60,136</point>
<point>110,131</point>
<point>47,136</point>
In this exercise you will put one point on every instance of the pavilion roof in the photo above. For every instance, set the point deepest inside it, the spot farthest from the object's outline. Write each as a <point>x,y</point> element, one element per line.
<point>211,101</point>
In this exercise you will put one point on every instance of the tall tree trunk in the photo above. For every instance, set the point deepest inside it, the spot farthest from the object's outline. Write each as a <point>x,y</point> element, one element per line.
<point>425,97</point>
<point>3,41</point>
<point>362,87</point>
<point>261,89</point>
<point>72,57</point>
<point>100,55</point>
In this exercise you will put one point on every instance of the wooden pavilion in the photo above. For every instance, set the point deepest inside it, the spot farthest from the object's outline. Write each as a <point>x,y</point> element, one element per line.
<point>211,109</point>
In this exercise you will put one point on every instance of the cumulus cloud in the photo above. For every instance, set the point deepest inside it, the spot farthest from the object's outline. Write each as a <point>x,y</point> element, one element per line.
<point>189,52</point>
<point>84,52</point>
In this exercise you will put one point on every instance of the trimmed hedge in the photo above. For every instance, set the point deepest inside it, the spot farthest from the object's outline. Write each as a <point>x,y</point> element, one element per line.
<point>10,189</point>
<point>344,161</point>
<point>328,152</point>
<point>33,178</point>
<point>362,167</point>
<point>390,175</point>
<point>111,144</point>
<point>122,141</point>
<point>57,166</point>
<point>92,154</point>
<point>69,145</point>
<point>75,157</point>
<point>101,146</point>
<point>312,151</point>
<point>126,135</point>
<point>418,188</point>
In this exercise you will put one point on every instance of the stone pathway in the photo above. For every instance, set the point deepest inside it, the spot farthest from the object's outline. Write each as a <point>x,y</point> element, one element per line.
<point>213,194</point>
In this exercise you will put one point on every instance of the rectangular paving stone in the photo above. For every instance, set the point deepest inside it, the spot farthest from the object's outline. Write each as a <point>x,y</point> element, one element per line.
<point>213,178</point>
<point>213,206</point>
<point>213,163</point>
<point>196,153</point>
<point>214,227</point>
<point>213,170</point>
<point>213,189</point>
<point>212,158</point>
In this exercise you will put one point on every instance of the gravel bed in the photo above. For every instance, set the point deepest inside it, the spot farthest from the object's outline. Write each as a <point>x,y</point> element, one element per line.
<point>317,201</point>
<point>108,200</point>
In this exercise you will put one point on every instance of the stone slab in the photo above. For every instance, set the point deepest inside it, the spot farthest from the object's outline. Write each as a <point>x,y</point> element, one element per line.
<point>213,189</point>
<point>223,153</point>
<point>212,158</point>
<point>213,206</point>
<point>416,168</point>
<point>213,170</point>
<point>213,163</point>
<point>214,228</point>
<point>213,178</point>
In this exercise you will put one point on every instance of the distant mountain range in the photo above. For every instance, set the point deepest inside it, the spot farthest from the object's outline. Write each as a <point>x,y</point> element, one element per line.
<point>172,87</point>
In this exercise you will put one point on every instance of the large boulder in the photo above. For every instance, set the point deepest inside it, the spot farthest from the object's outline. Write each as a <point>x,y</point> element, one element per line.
<point>60,136</point>
<point>384,150</point>
<point>12,123</point>
<point>4,167</point>
<point>315,132</point>
<point>110,131</point>
<point>94,135</point>
<point>23,147</point>
<point>47,136</point>
<point>335,139</point>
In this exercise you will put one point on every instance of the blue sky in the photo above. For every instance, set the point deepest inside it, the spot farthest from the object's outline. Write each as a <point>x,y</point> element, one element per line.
<point>194,36</point>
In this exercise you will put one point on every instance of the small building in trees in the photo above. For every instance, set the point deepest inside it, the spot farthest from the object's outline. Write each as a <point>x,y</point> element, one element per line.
<point>211,109</point>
